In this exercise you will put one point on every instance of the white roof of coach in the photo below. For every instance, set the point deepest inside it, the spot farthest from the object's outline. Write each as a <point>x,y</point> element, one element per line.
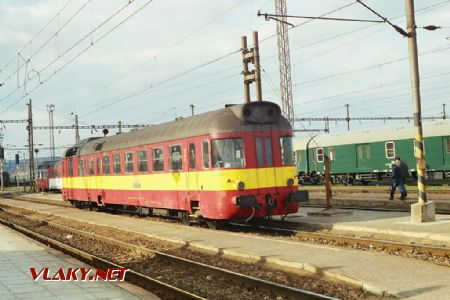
<point>435,128</point>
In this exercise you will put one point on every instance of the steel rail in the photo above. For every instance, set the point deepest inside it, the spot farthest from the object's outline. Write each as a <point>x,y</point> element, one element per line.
<point>134,277</point>
<point>279,289</point>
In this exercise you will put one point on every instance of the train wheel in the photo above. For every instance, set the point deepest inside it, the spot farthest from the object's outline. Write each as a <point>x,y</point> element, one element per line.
<point>185,219</point>
<point>217,224</point>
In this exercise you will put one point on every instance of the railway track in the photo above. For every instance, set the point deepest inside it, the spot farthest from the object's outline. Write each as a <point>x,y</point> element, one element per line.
<point>139,260</point>
<point>437,255</point>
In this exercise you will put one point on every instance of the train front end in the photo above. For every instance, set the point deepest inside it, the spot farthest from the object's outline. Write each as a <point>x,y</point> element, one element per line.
<point>254,166</point>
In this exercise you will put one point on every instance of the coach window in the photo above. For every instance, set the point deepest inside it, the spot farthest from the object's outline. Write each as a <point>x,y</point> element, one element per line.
<point>142,161</point>
<point>259,151</point>
<point>70,168</point>
<point>91,167</point>
<point>390,149</point>
<point>129,162</point>
<point>227,153</point>
<point>80,168</point>
<point>268,151</point>
<point>331,153</point>
<point>105,165</point>
<point>175,161</point>
<point>319,154</point>
<point>158,159</point>
<point>116,163</point>
<point>363,151</point>
<point>205,154</point>
<point>287,150</point>
<point>192,157</point>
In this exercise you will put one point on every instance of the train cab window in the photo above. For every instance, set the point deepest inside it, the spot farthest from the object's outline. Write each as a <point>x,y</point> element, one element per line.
<point>70,163</point>
<point>142,161</point>
<point>205,154</point>
<point>158,159</point>
<point>331,153</point>
<point>287,150</point>
<point>268,149</point>
<point>129,162</point>
<point>319,154</point>
<point>80,168</point>
<point>116,163</point>
<point>192,157</point>
<point>175,160</point>
<point>227,153</point>
<point>390,149</point>
<point>91,167</point>
<point>259,153</point>
<point>105,165</point>
<point>97,166</point>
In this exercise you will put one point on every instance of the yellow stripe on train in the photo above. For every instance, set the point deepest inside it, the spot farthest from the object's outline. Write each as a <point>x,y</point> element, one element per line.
<point>213,180</point>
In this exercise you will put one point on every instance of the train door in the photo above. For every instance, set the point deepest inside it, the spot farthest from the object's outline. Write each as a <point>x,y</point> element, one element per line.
<point>265,173</point>
<point>446,151</point>
<point>363,156</point>
<point>192,172</point>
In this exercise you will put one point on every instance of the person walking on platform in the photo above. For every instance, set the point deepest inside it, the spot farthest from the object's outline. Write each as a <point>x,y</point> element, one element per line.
<point>404,171</point>
<point>397,181</point>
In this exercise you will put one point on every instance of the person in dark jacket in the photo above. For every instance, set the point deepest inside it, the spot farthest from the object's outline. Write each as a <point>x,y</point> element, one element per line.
<point>397,181</point>
<point>404,171</point>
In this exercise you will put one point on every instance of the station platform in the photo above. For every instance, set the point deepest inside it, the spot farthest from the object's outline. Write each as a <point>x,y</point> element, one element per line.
<point>18,253</point>
<point>394,226</point>
<point>405,278</point>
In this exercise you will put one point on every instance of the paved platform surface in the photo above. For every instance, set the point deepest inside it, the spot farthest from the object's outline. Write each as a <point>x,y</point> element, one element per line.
<point>376,272</point>
<point>18,253</point>
<point>392,225</point>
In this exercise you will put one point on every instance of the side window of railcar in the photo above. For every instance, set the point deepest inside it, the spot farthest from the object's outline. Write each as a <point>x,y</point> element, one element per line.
<point>142,161</point>
<point>192,157</point>
<point>448,144</point>
<point>129,162</point>
<point>205,154</point>
<point>116,163</point>
<point>390,149</point>
<point>287,150</point>
<point>70,168</point>
<point>363,151</point>
<point>80,168</point>
<point>319,154</point>
<point>158,159</point>
<point>91,167</point>
<point>175,160</point>
<point>227,153</point>
<point>105,165</point>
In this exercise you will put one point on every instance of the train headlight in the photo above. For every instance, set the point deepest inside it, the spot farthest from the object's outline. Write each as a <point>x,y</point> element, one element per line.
<point>240,185</point>
<point>290,182</point>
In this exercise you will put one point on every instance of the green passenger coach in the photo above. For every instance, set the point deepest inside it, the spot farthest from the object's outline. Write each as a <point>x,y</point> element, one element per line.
<point>367,155</point>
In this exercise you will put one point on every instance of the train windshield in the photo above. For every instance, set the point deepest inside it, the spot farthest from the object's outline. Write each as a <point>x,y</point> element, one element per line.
<point>228,153</point>
<point>287,150</point>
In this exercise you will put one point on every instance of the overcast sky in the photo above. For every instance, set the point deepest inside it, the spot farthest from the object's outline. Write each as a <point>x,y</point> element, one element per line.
<point>149,67</point>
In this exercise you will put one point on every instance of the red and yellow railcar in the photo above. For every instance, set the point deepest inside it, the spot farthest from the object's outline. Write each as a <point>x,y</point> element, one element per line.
<point>233,163</point>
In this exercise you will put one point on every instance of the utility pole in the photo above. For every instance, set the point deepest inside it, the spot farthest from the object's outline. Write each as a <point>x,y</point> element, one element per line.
<point>51,109</point>
<point>77,130</point>
<point>192,109</point>
<point>120,127</point>
<point>251,56</point>
<point>422,211</point>
<point>31,147</point>
<point>444,114</point>
<point>284,59</point>
<point>347,119</point>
